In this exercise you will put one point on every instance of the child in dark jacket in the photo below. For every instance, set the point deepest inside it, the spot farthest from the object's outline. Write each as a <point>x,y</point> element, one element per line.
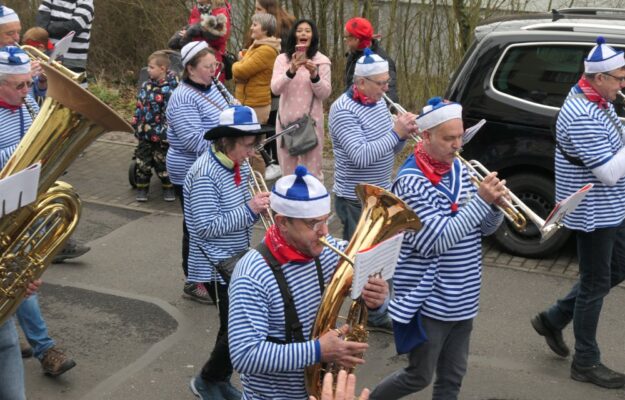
<point>150,125</point>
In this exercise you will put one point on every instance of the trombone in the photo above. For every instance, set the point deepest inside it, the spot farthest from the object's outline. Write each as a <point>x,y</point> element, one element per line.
<point>256,184</point>
<point>512,207</point>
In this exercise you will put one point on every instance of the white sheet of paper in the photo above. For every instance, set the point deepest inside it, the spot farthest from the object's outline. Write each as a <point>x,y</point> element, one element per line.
<point>470,132</point>
<point>61,47</point>
<point>381,258</point>
<point>19,189</point>
<point>567,206</point>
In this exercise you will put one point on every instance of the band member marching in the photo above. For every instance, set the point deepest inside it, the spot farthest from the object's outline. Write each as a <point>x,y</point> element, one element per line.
<point>438,276</point>
<point>270,357</point>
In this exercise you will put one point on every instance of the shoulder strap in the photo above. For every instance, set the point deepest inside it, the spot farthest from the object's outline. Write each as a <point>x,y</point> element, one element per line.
<point>567,156</point>
<point>293,327</point>
<point>207,98</point>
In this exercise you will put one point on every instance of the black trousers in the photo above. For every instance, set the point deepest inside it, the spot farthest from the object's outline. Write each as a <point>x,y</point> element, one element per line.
<point>219,367</point>
<point>185,233</point>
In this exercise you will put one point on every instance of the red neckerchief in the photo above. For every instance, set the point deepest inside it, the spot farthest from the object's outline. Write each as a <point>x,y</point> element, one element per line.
<point>432,169</point>
<point>8,106</point>
<point>592,94</point>
<point>237,173</point>
<point>360,97</point>
<point>280,249</point>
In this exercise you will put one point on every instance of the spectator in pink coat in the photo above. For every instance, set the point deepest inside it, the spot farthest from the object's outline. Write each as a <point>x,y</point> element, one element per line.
<point>301,77</point>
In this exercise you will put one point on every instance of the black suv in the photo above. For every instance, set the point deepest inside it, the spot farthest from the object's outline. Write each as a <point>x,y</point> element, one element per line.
<point>516,75</point>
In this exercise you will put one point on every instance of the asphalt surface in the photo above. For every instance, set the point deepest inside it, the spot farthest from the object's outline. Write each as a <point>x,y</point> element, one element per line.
<point>118,310</point>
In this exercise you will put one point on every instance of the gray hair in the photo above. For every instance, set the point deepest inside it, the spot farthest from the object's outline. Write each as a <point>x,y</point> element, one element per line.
<point>267,23</point>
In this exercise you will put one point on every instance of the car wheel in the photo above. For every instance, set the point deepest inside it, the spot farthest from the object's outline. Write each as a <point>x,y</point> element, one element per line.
<point>536,192</point>
<point>132,174</point>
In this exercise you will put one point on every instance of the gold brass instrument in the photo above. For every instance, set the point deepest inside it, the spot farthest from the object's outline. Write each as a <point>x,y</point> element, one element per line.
<point>513,208</point>
<point>69,120</point>
<point>37,55</point>
<point>383,216</point>
<point>257,184</point>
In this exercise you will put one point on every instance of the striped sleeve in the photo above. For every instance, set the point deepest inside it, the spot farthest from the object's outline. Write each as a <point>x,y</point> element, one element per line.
<point>184,118</point>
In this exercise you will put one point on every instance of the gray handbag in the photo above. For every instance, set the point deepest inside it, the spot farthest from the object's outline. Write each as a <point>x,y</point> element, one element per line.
<point>303,138</point>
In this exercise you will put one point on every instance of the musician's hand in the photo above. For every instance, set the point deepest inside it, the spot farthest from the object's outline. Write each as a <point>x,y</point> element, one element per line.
<point>492,188</point>
<point>345,387</point>
<point>33,287</point>
<point>342,352</point>
<point>259,203</point>
<point>375,292</point>
<point>35,68</point>
<point>405,125</point>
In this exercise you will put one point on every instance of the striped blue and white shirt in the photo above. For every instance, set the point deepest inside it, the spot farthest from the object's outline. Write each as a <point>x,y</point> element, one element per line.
<point>439,270</point>
<point>586,132</point>
<point>270,370</point>
<point>364,145</point>
<point>217,215</point>
<point>14,125</point>
<point>190,115</point>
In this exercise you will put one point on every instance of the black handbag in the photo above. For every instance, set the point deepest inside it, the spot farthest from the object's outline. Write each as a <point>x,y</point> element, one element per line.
<point>225,268</point>
<point>303,138</point>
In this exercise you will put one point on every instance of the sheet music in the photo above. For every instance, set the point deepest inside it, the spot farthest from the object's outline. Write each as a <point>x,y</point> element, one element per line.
<point>19,189</point>
<point>567,206</point>
<point>61,47</point>
<point>381,258</point>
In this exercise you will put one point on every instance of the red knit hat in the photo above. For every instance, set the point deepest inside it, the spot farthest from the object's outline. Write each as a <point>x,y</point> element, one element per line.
<point>361,29</point>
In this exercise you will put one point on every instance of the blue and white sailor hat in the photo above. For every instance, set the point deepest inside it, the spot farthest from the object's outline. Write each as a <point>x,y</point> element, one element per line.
<point>300,196</point>
<point>370,64</point>
<point>190,49</point>
<point>603,58</point>
<point>14,61</point>
<point>236,121</point>
<point>7,15</point>
<point>436,112</point>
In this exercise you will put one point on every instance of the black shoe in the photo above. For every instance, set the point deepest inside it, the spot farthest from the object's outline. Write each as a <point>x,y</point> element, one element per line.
<point>142,195</point>
<point>168,194</point>
<point>72,249</point>
<point>26,350</point>
<point>553,337</point>
<point>598,374</point>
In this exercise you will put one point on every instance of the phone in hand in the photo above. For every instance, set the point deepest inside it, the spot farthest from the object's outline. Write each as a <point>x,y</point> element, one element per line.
<point>300,48</point>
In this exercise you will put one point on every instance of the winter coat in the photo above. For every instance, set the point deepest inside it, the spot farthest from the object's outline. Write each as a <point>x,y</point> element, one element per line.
<point>252,74</point>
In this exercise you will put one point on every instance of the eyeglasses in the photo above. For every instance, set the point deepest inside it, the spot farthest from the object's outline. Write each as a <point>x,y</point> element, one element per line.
<point>379,83</point>
<point>21,85</point>
<point>316,224</point>
<point>621,79</point>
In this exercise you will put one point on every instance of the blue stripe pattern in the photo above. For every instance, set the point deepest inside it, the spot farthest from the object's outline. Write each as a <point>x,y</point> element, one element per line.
<point>439,269</point>
<point>189,115</point>
<point>12,128</point>
<point>364,145</point>
<point>270,370</point>
<point>585,132</point>
<point>217,216</point>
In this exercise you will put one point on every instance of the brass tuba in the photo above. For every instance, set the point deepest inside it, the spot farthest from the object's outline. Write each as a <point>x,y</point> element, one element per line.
<point>69,120</point>
<point>383,216</point>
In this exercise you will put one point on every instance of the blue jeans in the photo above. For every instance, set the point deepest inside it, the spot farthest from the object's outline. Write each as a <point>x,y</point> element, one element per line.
<point>34,327</point>
<point>601,256</point>
<point>11,365</point>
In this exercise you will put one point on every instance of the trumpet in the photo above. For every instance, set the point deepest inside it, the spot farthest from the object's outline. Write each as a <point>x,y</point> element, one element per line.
<point>256,184</point>
<point>514,210</point>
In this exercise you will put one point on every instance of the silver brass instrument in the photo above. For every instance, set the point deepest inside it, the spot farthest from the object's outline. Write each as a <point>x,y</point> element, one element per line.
<point>69,120</point>
<point>270,139</point>
<point>383,216</point>
<point>513,208</point>
<point>257,184</point>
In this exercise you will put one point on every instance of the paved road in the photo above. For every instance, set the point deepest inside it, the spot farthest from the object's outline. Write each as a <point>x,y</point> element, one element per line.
<point>119,312</point>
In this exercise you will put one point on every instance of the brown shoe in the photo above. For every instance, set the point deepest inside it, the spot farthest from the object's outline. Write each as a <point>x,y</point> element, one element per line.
<point>54,362</point>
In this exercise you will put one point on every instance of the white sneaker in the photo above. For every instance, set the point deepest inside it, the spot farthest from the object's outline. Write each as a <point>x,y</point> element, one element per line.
<point>272,171</point>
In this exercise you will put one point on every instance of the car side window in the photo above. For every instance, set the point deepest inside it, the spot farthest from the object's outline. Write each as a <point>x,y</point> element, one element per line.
<point>540,73</point>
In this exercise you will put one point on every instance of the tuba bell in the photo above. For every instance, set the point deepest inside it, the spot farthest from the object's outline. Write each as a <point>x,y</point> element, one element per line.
<point>68,121</point>
<point>383,216</point>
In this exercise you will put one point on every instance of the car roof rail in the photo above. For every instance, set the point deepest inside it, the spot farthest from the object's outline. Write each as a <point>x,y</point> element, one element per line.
<point>588,12</point>
<point>577,27</point>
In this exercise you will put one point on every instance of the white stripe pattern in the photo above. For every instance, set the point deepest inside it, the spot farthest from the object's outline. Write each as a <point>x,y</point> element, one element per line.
<point>364,145</point>
<point>189,116</point>
<point>217,216</point>
<point>270,370</point>
<point>585,132</point>
<point>11,128</point>
<point>439,269</point>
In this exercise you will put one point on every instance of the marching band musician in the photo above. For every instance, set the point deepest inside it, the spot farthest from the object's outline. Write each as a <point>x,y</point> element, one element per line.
<point>17,112</point>
<point>220,212</point>
<point>365,141</point>
<point>591,148</point>
<point>438,276</point>
<point>290,264</point>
